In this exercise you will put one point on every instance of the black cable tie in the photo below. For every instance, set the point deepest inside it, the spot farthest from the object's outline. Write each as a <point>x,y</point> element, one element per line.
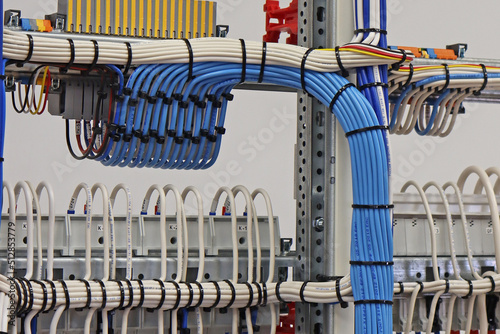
<point>142,95</point>
<point>179,140</point>
<point>250,295</point>
<point>18,291</point>
<point>343,71</point>
<point>194,98</point>
<point>153,133</point>
<point>3,77</point>
<point>217,299</point>
<point>191,295</point>
<point>196,140</point>
<point>396,66</point>
<point>130,293</point>
<point>211,97</point>
<point>372,263</point>
<point>184,104</point>
<point>191,58</point>
<point>171,133</point>
<point>471,289</point>
<point>104,295</point>
<point>201,104</point>
<point>278,295</point>
<point>129,59</point>
<point>168,101</point>
<point>212,138</point>
<point>485,82</point>
<point>303,69</point>
<point>339,92</point>
<point>301,294</point>
<point>243,60</point>
<point>177,96</point>
<point>162,298</point>
<point>200,300</point>
<point>401,288</point>
<point>145,139</point>
<point>233,294</point>
<point>204,132</point>
<point>133,102</point>
<point>45,295</point>
<point>380,31</point>
<point>89,293</point>
<point>71,58</point>
<point>263,62</point>
<point>374,207</point>
<point>137,133</point>
<point>30,50</point>
<point>112,127</point>
<point>259,293</point>
<point>369,128</point>
<point>410,77</point>
<point>217,104</point>
<point>421,286</point>
<point>141,290</point>
<point>66,294</point>
<point>31,296</point>
<point>187,134</point>
<point>54,296</point>
<point>343,303</point>
<point>373,84</point>
<point>447,286</point>
<point>228,96</point>
<point>447,83</point>
<point>220,130</point>
<point>161,95</point>
<point>493,284</point>
<point>127,137</point>
<point>264,294</point>
<point>127,91</point>
<point>122,296</point>
<point>96,55</point>
<point>23,307</point>
<point>2,159</point>
<point>116,137</point>
<point>160,140</point>
<point>375,301</point>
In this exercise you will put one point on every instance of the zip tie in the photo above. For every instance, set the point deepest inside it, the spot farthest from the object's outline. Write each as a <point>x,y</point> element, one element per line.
<point>122,296</point>
<point>45,296</point>
<point>191,295</point>
<point>54,296</point>
<point>244,60</point>
<point>375,207</point>
<point>263,62</point>
<point>396,66</point>
<point>18,291</point>
<point>178,300</point>
<point>376,301</point>
<point>89,293</point>
<point>339,92</point>
<point>163,294</point>
<point>96,55</point>
<point>343,303</point>
<point>200,300</point>
<point>303,69</point>
<point>130,294</point>
<point>380,31</point>
<point>447,286</point>
<point>191,58</point>
<point>72,56</point>
<point>141,289</point>
<point>129,59</point>
<point>493,285</point>
<point>421,286</point>
<point>343,71</point>
<point>278,292</point>
<point>471,289</point>
<point>264,295</point>
<point>31,298</point>
<point>447,83</point>
<point>217,299</point>
<point>25,296</point>
<point>233,294</point>
<point>369,128</point>
<point>372,263</point>
<point>250,295</point>
<point>485,82</point>
<point>301,294</point>
<point>410,77</point>
<point>373,84</point>
<point>104,296</point>
<point>401,288</point>
<point>30,51</point>
<point>259,293</point>
<point>66,294</point>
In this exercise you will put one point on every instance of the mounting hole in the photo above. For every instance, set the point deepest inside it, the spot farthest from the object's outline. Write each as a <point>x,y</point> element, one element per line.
<point>300,204</point>
<point>320,136</point>
<point>300,170</point>
<point>25,240</point>
<point>71,277</point>
<point>302,266</point>
<point>140,276</point>
<point>300,222</point>
<point>419,275</point>
<point>240,275</point>
<point>207,276</point>
<point>319,206</point>
<point>319,189</point>
<point>320,154</point>
<point>173,241</point>
<point>318,259</point>
<point>303,161</point>
<point>303,196</point>
<point>301,100</point>
<point>446,274</point>
<point>321,31</point>
<point>318,312</point>
<point>303,249</point>
<point>303,231</point>
<point>299,240</point>
<point>305,22</point>
<point>300,152</point>
<point>299,257</point>
<point>303,215</point>
<point>300,134</point>
<point>319,171</point>
<point>319,242</point>
<point>100,240</point>
<point>301,13</point>
<point>302,320</point>
<point>304,109</point>
<point>174,276</point>
<point>300,188</point>
<point>305,38</point>
<point>242,240</point>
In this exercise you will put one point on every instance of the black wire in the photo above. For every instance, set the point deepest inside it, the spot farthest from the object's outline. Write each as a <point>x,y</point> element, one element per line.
<point>26,96</point>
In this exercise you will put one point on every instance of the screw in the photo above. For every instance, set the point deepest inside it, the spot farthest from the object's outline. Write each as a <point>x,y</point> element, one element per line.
<point>319,224</point>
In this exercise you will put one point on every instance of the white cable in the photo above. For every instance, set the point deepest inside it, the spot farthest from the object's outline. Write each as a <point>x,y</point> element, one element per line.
<point>36,208</point>
<point>51,225</point>
<point>24,187</point>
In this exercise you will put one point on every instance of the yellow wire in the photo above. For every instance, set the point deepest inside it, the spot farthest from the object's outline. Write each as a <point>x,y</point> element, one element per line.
<point>89,17</point>
<point>210,19</point>
<point>203,18</point>
<point>157,33</point>
<point>141,18</point>
<point>149,23</point>
<point>97,15</point>
<point>108,17</point>
<point>117,18</point>
<point>172,18</point>
<point>195,19</point>
<point>362,52</point>
<point>78,15</point>
<point>41,93</point>
<point>125,18</point>
<point>180,20</point>
<point>187,32</point>
<point>133,17</point>
<point>70,15</point>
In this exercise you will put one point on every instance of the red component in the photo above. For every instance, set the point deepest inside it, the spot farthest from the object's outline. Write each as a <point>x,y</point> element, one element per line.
<point>454,332</point>
<point>280,20</point>
<point>474,331</point>
<point>287,322</point>
<point>492,332</point>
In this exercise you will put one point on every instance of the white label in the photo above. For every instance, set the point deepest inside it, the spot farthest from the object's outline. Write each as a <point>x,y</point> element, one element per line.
<point>242,228</point>
<point>24,226</point>
<point>100,228</point>
<point>436,230</point>
<point>172,227</point>
<point>489,230</point>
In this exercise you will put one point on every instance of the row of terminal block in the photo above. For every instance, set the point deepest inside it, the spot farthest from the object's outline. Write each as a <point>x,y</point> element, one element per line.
<point>452,52</point>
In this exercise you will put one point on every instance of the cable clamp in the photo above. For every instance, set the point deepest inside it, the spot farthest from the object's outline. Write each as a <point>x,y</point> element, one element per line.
<point>303,69</point>
<point>191,58</point>
<point>380,31</point>
<point>372,263</point>
<point>369,128</point>
<point>343,303</point>
<point>129,59</point>
<point>339,92</point>
<point>373,84</point>
<point>375,301</point>
<point>374,207</point>
<point>220,130</point>
<point>343,71</point>
<point>263,62</point>
<point>485,82</point>
<point>243,60</point>
<point>396,66</point>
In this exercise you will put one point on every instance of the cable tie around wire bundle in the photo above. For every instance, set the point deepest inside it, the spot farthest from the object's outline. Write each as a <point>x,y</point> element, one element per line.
<point>127,137</point>
<point>129,59</point>
<point>45,295</point>
<point>373,207</point>
<point>200,300</point>
<point>191,58</point>
<point>217,298</point>
<point>217,104</point>
<point>96,55</point>
<point>396,66</point>
<point>89,294</point>
<point>66,294</point>
<point>447,286</point>
<point>168,101</point>
<point>380,31</point>
<point>187,134</point>
<point>228,96</point>
<point>204,132</point>
<point>196,140</point>
<point>18,291</point>
<point>127,91</point>
<point>373,301</point>
<point>264,294</point>
<point>122,296</point>
<point>184,104</point>
<point>250,295</point>
<point>421,286</point>
<point>162,298</point>
<point>31,298</point>
<point>145,139</point>
<point>303,69</point>
<point>471,289</point>
<point>179,140</point>
<point>53,294</point>
<point>410,77</point>
<point>71,58</point>
<point>447,83</point>
<point>339,92</point>
<point>401,288</point>
<point>233,294</point>
<point>220,130</point>
<point>30,51</point>
<point>259,293</point>
<point>2,159</point>
<point>343,71</point>
<point>263,62</point>
<point>325,278</point>
<point>141,290</point>
<point>343,303</point>
<point>201,104</point>
<point>103,292</point>
<point>152,99</point>
<point>372,263</point>
<point>133,102</point>
<point>369,128</point>
<point>191,295</point>
<point>26,300</point>
<point>301,294</point>
<point>485,82</point>
<point>373,84</point>
<point>212,138</point>
<point>493,284</point>
<point>130,294</point>
<point>243,60</point>
<point>278,295</point>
